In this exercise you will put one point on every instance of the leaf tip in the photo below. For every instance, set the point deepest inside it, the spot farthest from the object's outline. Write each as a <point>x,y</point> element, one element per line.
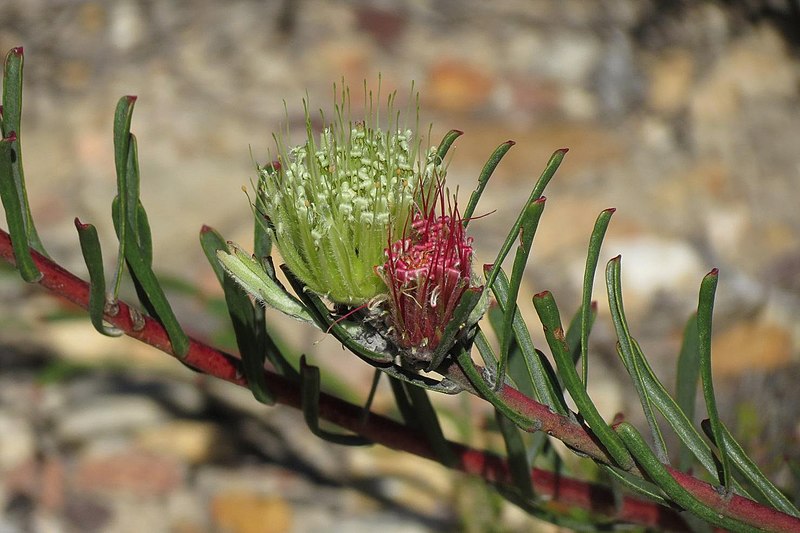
<point>541,295</point>
<point>610,210</point>
<point>16,51</point>
<point>562,151</point>
<point>80,226</point>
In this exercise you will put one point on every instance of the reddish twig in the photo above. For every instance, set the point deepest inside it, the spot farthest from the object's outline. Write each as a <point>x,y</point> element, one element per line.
<point>560,491</point>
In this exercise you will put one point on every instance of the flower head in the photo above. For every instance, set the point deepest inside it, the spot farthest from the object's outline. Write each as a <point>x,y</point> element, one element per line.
<point>332,201</point>
<point>427,272</point>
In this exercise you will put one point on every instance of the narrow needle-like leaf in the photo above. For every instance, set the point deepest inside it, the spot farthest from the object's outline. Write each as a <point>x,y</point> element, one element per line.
<point>428,422</point>
<point>251,276</point>
<point>11,126</point>
<point>446,143</point>
<point>595,243</point>
<point>527,230</point>
<point>659,475</point>
<point>122,141</point>
<point>554,334</point>
<point>628,354</point>
<point>751,472</point>
<point>155,295</point>
<point>15,213</point>
<point>705,310</point>
<point>249,339</point>
<point>93,256</point>
<point>547,391</point>
<point>310,384</point>
<point>517,455</point>
<point>536,193</point>
<point>483,179</point>
<point>686,379</point>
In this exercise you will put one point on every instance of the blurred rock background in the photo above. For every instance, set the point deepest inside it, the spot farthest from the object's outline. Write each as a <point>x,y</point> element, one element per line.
<point>684,115</point>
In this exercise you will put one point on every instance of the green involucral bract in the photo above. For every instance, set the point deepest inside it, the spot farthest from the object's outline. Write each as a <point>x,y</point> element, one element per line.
<point>333,203</point>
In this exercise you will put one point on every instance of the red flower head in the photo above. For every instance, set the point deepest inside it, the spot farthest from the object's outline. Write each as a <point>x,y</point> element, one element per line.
<point>427,272</point>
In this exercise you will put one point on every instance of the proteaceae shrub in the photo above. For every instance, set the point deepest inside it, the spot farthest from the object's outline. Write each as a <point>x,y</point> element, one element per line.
<point>361,217</point>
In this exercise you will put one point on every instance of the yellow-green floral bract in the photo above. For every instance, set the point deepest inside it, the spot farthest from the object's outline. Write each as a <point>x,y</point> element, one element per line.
<point>332,202</point>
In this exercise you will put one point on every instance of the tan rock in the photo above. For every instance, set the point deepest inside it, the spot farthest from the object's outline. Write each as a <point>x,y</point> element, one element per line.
<point>748,346</point>
<point>241,512</point>
<point>758,66</point>
<point>670,80</point>
<point>193,442</point>
<point>129,471</point>
<point>457,86</point>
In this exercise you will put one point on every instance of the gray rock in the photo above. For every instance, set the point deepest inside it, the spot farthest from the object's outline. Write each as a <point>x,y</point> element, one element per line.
<point>107,414</point>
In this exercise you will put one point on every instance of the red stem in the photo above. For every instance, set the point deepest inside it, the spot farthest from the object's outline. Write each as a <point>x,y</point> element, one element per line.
<point>561,491</point>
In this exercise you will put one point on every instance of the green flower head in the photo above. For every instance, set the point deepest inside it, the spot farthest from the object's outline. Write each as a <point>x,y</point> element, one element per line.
<point>333,201</point>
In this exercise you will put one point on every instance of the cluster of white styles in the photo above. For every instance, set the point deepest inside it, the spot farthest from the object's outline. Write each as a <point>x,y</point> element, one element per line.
<point>335,204</point>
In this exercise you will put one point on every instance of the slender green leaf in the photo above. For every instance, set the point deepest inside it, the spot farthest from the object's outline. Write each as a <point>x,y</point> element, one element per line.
<point>250,342</point>
<point>529,222</point>
<point>428,422</point>
<point>677,419</point>
<point>489,394</point>
<point>446,143</point>
<point>547,391</point>
<point>554,334</point>
<point>536,193</point>
<point>517,373</point>
<point>484,348</point>
<point>483,179</point>
<point>373,390</point>
<point>686,379</point>
<point>262,234</point>
<point>517,455</point>
<point>122,142</point>
<point>310,384</point>
<point>739,459</point>
<point>240,305</point>
<point>256,281</point>
<point>575,331</point>
<point>402,400</point>
<point>15,214</point>
<point>11,127</point>
<point>133,232</point>
<point>673,414</point>
<point>93,256</point>
<point>705,310</point>
<point>155,295</point>
<point>626,351</point>
<point>661,477</point>
<point>635,484</point>
<point>592,257</point>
